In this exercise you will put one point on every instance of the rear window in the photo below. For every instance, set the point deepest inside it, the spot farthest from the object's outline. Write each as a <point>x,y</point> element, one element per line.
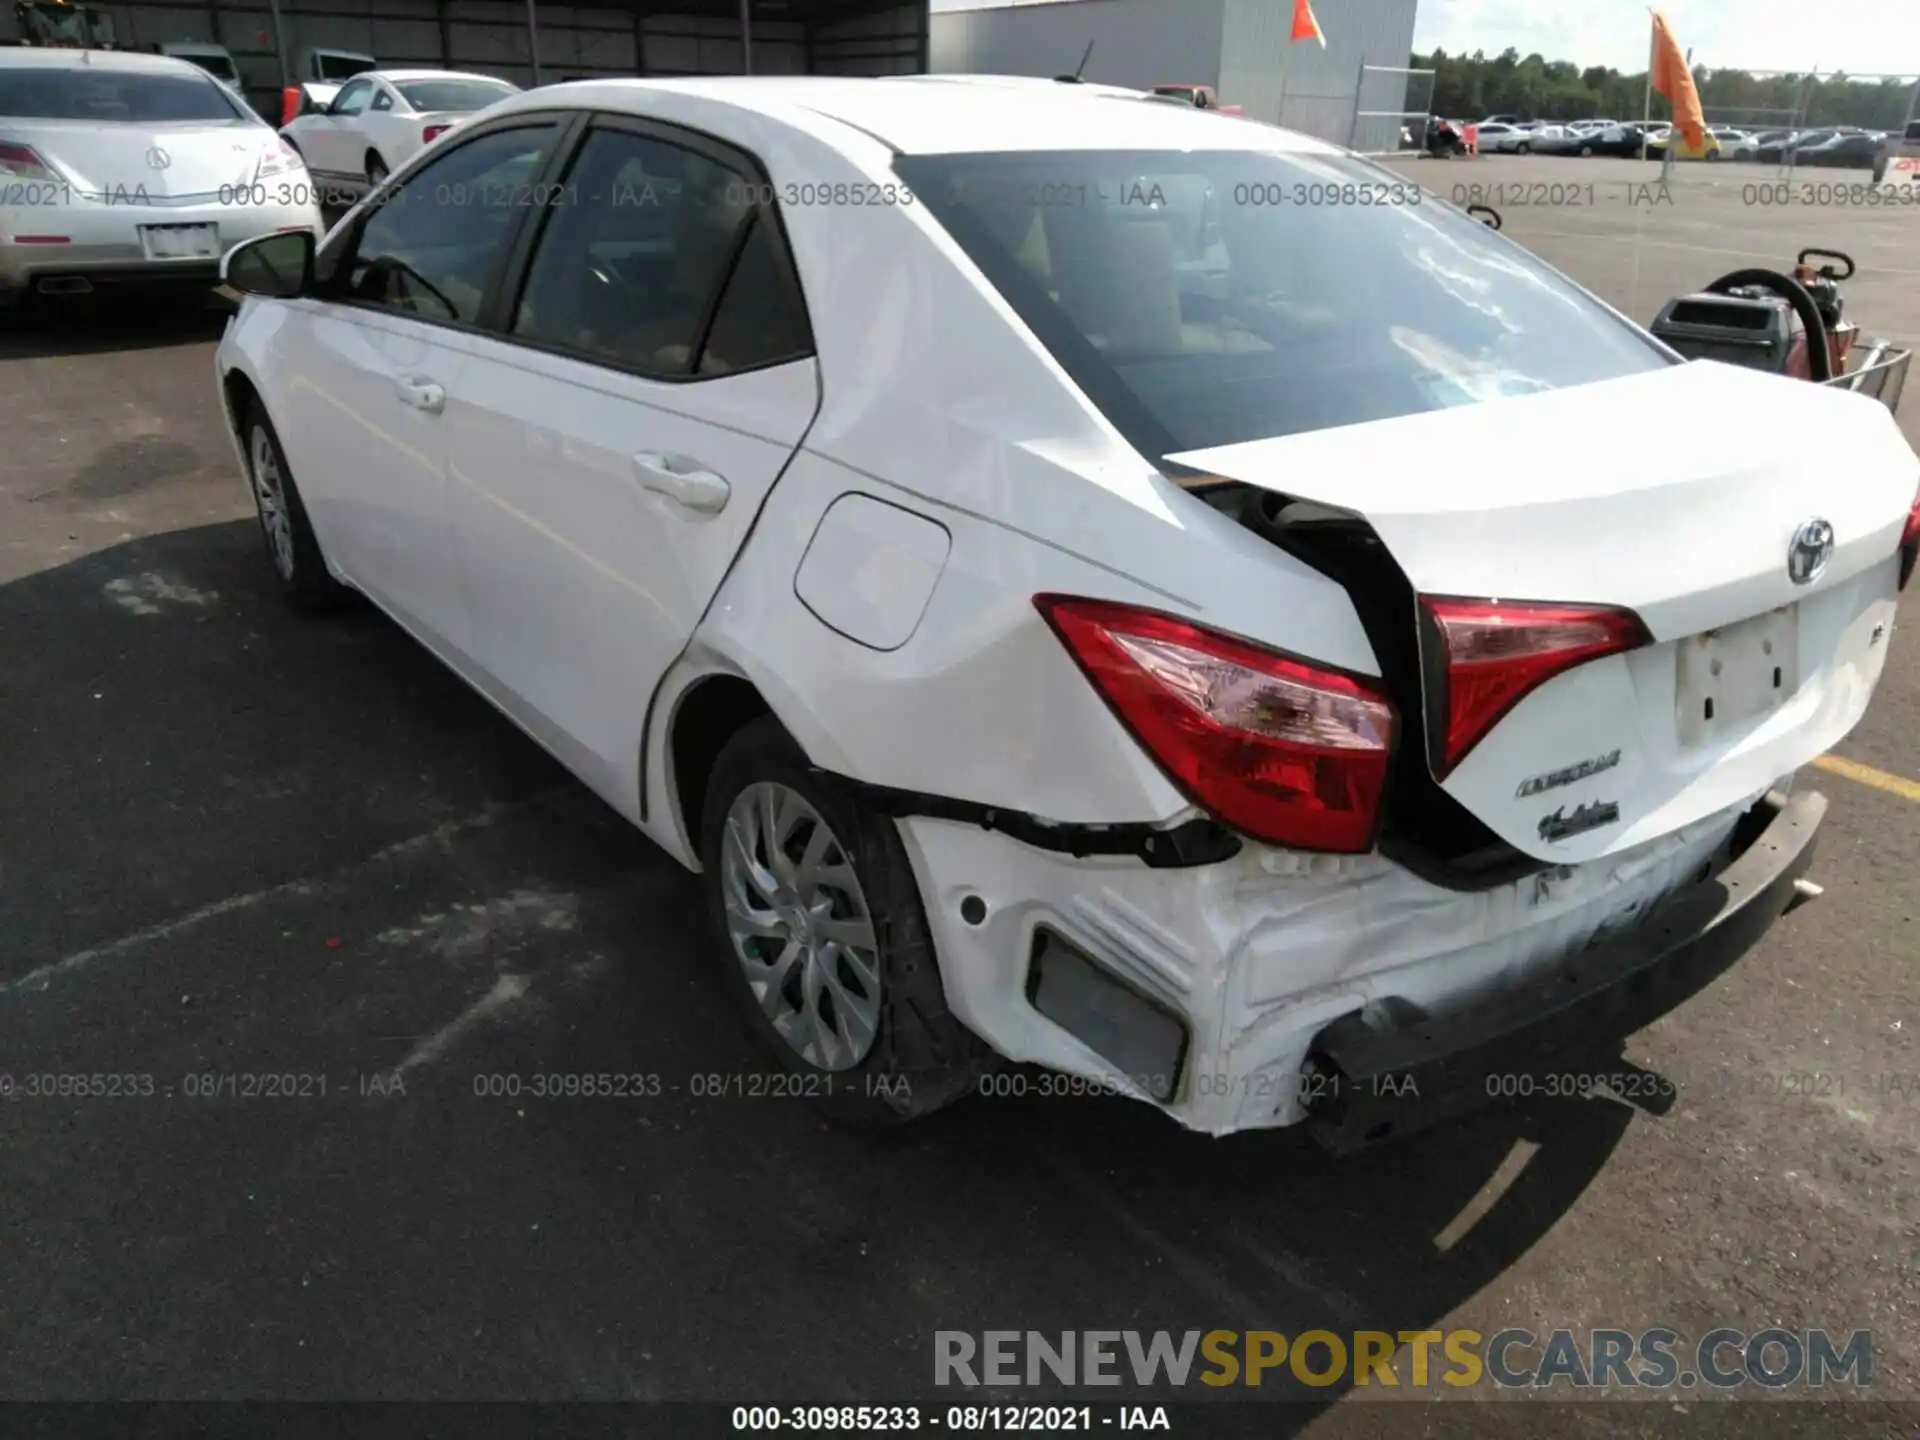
<point>107,96</point>
<point>341,67</point>
<point>1208,298</point>
<point>461,95</point>
<point>216,65</point>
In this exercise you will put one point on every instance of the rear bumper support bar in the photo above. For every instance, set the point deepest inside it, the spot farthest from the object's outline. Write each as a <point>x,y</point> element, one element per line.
<point>1372,1077</point>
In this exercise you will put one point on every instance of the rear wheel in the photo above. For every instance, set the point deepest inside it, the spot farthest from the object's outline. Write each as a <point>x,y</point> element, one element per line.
<point>826,946</point>
<point>1523,148</point>
<point>376,171</point>
<point>292,546</point>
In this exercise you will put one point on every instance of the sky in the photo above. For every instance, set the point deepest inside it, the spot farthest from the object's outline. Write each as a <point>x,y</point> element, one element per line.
<point>1858,35</point>
<point>1862,36</point>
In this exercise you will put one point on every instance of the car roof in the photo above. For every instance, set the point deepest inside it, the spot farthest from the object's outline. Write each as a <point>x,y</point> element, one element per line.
<point>913,116</point>
<point>123,61</point>
<point>1029,82</point>
<point>407,76</point>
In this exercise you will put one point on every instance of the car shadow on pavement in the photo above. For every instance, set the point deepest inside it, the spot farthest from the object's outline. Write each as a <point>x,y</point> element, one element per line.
<point>46,326</point>
<point>236,842</point>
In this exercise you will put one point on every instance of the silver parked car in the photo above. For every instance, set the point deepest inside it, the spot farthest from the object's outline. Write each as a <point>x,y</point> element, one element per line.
<point>121,168</point>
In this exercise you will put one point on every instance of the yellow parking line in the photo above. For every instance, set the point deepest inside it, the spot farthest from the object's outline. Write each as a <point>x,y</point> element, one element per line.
<point>1867,775</point>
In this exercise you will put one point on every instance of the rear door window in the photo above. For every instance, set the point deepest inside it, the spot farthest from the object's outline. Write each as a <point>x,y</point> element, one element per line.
<point>1205,298</point>
<point>633,253</point>
<point>761,318</point>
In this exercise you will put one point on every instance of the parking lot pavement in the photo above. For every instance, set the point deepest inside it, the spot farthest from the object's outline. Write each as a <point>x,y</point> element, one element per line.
<point>237,843</point>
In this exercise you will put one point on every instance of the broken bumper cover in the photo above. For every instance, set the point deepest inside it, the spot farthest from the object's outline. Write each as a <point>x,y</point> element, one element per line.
<point>1395,1068</point>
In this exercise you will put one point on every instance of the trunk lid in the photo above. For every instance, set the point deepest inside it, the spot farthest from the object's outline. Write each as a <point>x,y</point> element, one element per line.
<point>160,162</point>
<point>1677,494</point>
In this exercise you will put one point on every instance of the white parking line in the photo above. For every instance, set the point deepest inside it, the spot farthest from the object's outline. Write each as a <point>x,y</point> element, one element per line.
<point>506,990</point>
<point>1638,239</point>
<point>442,834</point>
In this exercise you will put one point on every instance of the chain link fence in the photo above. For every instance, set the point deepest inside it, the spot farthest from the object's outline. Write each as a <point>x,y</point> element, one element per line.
<point>1768,109</point>
<point>1391,107</point>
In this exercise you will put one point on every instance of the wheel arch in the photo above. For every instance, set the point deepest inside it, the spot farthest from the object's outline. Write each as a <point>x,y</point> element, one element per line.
<point>238,393</point>
<point>699,718</point>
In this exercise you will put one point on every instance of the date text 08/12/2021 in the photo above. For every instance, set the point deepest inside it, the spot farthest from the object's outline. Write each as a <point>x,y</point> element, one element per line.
<point>961,1419</point>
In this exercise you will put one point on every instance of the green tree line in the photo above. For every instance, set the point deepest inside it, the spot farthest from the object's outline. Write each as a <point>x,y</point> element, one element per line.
<point>1472,86</point>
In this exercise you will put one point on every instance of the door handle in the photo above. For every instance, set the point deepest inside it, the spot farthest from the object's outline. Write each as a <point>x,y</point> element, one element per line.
<point>686,482</point>
<point>424,395</point>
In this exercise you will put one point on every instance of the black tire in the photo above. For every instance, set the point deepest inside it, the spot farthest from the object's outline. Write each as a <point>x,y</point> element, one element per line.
<point>377,171</point>
<point>1523,148</point>
<point>300,569</point>
<point>1586,150</point>
<point>921,1058</point>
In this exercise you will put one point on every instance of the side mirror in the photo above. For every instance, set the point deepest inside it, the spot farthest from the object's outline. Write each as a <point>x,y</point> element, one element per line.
<point>278,266</point>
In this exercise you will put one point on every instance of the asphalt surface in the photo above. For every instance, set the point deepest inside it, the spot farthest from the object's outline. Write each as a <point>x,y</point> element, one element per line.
<point>234,842</point>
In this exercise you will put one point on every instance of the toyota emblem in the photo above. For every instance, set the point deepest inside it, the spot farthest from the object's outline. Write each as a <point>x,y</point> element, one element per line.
<point>158,159</point>
<point>1810,551</point>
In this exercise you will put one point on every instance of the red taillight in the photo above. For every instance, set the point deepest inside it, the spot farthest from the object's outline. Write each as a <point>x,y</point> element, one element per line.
<point>289,104</point>
<point>1497,652</point>
<point>1910,543</point>
<point>1283,751</point>
<point>432,133</point>
<point>23,162</point>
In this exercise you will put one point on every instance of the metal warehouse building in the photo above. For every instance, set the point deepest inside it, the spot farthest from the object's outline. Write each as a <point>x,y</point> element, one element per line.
<point>1239,47</point>
<point>575,41</point>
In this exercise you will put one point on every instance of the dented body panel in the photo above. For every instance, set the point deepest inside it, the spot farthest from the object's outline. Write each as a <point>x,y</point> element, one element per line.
<point>867,568</point>
<point>1264,951</point>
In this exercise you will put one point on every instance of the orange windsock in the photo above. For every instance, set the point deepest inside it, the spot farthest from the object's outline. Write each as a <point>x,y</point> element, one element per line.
<point>1305,27</point>
<point>1673,79</point>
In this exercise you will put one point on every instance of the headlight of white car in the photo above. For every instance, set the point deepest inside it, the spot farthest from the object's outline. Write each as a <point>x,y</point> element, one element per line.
<point>277,159</point>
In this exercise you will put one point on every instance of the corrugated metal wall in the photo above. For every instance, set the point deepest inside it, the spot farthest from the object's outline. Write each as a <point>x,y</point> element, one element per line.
<point>490,36</point>
<point>1136,42</point>
<point>893,42</point>
<point>1306,88</point>
<point>1239,46</point>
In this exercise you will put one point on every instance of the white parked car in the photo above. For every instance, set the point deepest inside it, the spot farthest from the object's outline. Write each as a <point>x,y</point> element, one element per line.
<point>216,60</point>
<point>378,120</point>
<point>1497,138</point>
<point>120,168</point>
<point>1555,139</point>
<point>1068,610</point>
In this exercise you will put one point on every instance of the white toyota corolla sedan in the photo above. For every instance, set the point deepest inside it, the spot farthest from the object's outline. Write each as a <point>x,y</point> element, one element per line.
<point>1087,581</point>
<point>120,168</point>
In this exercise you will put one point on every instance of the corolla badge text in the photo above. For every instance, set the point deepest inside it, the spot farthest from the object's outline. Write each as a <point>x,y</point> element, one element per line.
<point>1567,774</point>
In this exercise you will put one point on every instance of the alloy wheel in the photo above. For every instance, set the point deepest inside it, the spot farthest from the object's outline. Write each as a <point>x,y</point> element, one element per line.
<point>270,499</point>
<point>800,926</point>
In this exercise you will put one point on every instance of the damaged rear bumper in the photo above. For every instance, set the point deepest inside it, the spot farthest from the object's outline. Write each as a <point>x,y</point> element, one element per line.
<point>1271,987</point>
<point>1393,1069</point>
